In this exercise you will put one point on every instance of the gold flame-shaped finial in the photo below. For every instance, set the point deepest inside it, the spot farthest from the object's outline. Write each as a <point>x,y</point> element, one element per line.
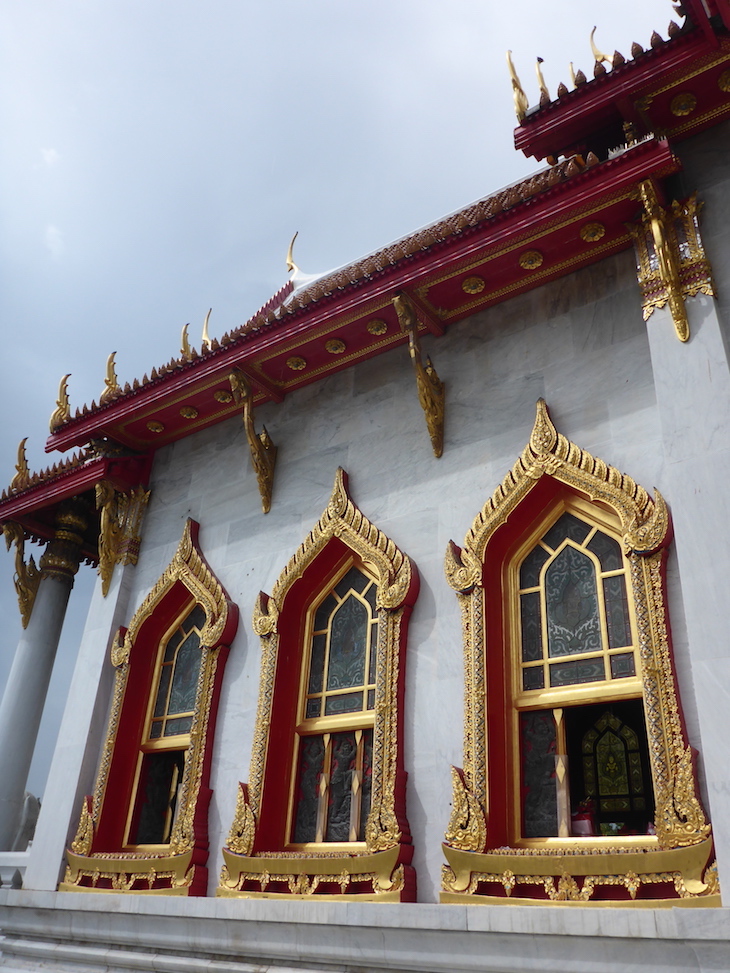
<point>185,349</point>
<point>544,93</point>
<point>290,265</point>
<point>206,339</point>
<point>599,57</point>
<point>518,93</point>
<point>111,386</point>
<point>62,412</point>
<point>22,474</point>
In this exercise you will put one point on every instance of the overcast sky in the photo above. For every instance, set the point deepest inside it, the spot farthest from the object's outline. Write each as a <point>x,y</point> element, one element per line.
<point>157,156</point>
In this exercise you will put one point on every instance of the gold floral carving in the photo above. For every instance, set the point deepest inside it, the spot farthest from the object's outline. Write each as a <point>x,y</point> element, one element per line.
<point>394,573</point>
<point>467,828</point>
<point>62,412</point>
<point>120,521</point>
<point>431,391</point>
<point>190,570</point>
<point>263,450</point>
<point>81,845</point>
<point>243,829</point>
<point>27,576</point>
<point>680,821</point>
<point>671,261</point>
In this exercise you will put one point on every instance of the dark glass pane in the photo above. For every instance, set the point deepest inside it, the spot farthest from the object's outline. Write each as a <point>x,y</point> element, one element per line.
<point>572,604</point>
<point>531,627</point>
<point>311,757</point>
<point>314,707</point>
<point>367,781</point>
<point>530,569</point>
<point>533,678</point>
<point>342,768</point>
<point>622,665</point>
<point>348,640</point>
<point>316,668</point>
<point>161,701</point>
<point>156,730</point>
<point>347,703</point>
<point>322,618</point>
<point>185,679</point>
<point>573,673</point>
<point>617,612</point>
<point>539,794</point>
<point>181,725</point>
<point>372,668</point>
<point>371,596</point>
<point>172,644</point>
<point>371,699</point>
<point>159,781</point>
<point>607,550</point>
<point>353,579</point>
<point>196,618</point>
<point>567,526</point>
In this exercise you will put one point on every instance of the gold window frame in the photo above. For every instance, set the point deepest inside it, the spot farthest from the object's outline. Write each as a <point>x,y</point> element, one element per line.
<point>373,869</point>
<point>570,870</point>
<point>167,869</point>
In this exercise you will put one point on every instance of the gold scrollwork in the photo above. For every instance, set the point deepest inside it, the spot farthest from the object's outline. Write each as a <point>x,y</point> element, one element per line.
<point>680,821</point>
<point>263,450</point>
<point>395,575</point>
<point>120,520</point>
<point>27,576</point>
<point>431,391</point>
<point>671,261</point>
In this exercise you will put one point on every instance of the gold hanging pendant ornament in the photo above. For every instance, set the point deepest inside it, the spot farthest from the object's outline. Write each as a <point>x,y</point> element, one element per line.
<point>263,450</point>
<point>431,391</point>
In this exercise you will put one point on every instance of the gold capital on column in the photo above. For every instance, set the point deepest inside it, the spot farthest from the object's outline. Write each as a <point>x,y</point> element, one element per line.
<point>63,553</point>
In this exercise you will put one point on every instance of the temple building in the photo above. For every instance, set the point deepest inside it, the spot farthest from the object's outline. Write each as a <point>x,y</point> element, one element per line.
<point>407,649</point>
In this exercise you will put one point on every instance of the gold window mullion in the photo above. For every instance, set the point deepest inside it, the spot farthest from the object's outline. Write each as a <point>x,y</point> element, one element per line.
<point>323,787</point>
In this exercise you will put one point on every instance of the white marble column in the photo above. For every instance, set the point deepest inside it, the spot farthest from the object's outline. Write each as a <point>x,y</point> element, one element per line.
<point>24,698</point>
<point>692,383</point>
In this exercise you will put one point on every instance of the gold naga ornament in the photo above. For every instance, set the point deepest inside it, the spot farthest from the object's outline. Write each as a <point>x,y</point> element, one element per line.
<point>431,390</point>
<point>263,450</point>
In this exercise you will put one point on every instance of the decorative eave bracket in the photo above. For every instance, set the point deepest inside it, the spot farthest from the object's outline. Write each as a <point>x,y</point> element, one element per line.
<point>263,450</point>
<point>120,521</point>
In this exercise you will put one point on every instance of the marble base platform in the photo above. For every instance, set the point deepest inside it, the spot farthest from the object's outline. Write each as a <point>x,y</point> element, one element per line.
<point>68,932</point>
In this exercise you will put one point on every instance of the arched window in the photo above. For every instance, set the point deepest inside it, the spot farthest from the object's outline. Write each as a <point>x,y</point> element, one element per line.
<point>145,828</point>
<point>324,810</point>
<point>578,781</point>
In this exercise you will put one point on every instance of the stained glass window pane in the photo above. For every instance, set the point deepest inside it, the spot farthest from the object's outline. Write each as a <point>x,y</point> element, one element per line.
<point>371,596</point>
<point>316,669</point>
<point>344,755</point>
<point>348,641</point>
<point>314,707</point>
<point>574,673</point>
<point>617,612</point>
<point>607,550</point>
<point>311,757</point>
<point>567,526</point>
<point>322,618</point>
<point>156,799</point>
<point>540,806</point>
<point>572,604</point>
<point>371,699</point>
<point>156,730</point>
<point>623,665</point>
<point>530,569</point>
<point>196,618</point>
<point>161,701</point>
<point>533,677</point>
<point>353,579</point>
<point>185,679</point>
<point>172,644</point>
<point>181,725</point>
<point>531,627</point>
<point>373,652</point>
<point>367,781</point>
<point>346,703</point>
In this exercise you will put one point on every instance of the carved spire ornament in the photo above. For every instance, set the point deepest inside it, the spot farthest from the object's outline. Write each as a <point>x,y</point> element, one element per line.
<point>431,391</point>
<point>111,385</point>
<point>185,349</point>
<point>22,473</point>
<point>678,853</point>
<point>62,412</point>
<point>598,56</point>
<point>544,93</point>
<point>518,93</point>
<point>263,450</point>
<point>205,341</point>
